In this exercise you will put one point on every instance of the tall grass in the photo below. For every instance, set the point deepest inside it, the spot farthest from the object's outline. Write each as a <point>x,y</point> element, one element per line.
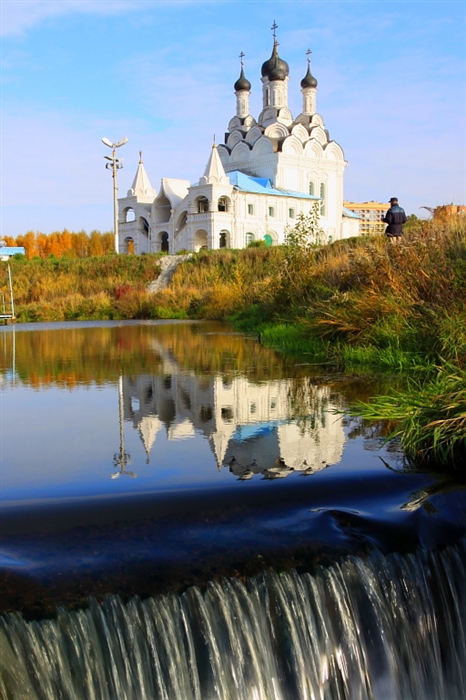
<point>430,418</point>
<point>105,287</point>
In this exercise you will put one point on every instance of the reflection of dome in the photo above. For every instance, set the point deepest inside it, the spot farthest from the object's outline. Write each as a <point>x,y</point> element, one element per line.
<point>275,68</point>
<point>242,83</point>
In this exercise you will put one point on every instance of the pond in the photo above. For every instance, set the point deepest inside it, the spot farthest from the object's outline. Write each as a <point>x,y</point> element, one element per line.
<point>179,458</point>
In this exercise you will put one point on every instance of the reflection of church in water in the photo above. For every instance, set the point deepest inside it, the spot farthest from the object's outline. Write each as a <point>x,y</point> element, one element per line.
<point>247,424</point>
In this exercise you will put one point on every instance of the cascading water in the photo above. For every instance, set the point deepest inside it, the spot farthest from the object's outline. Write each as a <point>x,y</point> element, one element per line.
<point>381,628</point>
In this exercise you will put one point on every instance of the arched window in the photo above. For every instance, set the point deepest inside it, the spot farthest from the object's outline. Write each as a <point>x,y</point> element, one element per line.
<point>129,244</point>
<point>202,205</point>
<point>164,242</point>
<point>311,188</point>
<point>222,204</point>
<point>143,226</point>
<point>322,198</point>
<point>129,215</point>
<point>182,221</point>
<point>249,238</point>
<point>268,239</point>
<point>223,239</point>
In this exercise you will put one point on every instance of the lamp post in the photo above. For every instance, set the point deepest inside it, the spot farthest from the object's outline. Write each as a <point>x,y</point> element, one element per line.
<point>114,164</point>
<point>121,458</point>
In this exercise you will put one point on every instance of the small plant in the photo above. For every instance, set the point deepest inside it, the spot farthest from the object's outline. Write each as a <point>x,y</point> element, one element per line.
<point>306,233</point>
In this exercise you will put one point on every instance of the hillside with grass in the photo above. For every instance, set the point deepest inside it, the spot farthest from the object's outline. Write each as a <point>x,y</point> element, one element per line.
<point>356,304</point>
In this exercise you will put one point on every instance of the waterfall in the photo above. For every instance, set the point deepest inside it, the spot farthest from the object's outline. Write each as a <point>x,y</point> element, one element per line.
<point>379,628</point>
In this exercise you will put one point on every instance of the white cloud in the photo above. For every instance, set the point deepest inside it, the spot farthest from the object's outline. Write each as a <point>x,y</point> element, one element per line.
<point>18,16</point>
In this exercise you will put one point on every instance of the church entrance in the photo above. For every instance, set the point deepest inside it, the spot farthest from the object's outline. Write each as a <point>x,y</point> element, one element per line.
<point>223,239</point>
<point>129,245</point>
<point>164,247</point>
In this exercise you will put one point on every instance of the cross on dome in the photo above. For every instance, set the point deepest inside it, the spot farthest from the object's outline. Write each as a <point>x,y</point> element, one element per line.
<point>308,81</point>
<point>275,68</point>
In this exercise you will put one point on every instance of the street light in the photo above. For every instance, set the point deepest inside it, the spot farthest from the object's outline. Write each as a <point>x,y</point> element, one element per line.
<point>114,165</point>
<point>121,459</point>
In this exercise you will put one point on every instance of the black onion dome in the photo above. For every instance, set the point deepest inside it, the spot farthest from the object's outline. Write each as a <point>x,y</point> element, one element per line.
<point>309,81</point>
<point>242,83</point>
<point>275,68</point>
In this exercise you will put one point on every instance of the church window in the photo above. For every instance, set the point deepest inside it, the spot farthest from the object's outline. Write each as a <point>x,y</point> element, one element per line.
<point>129,215</point>
<point>205,414</point>
<point>271,211</point>
<point>311,188</point>
<point>268,239</point>
<point>222,204</point>
<point>202,205</point>
<point>253,407</point>
<point>143,226</point>
<point>223,240</point>
<point>250,208</point>
<point>291,213</point>
<point>322,198</point>
<point>249,238</point>
<point>164,247</point>
<point>227,414</point>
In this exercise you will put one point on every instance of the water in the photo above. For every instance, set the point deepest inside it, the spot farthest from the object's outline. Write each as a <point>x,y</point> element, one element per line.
<point>387,628</point>
<point>179,465</point>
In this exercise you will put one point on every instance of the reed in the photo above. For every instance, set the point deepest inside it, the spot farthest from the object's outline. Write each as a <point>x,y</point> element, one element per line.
<point>430,418</point>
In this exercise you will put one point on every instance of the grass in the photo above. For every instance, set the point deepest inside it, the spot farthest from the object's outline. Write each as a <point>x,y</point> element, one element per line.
<point>292,338</point>
<point>430,418</point>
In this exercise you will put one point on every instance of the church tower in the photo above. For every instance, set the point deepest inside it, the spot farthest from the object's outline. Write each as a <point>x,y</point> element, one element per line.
<point>275,78</point>
<point>295,155</point>
<point>309,89</point>
<point>242,92</point>
<point>134,213</point>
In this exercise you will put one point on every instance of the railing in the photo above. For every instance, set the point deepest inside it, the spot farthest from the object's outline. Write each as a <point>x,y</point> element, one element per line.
<point>7,307</point>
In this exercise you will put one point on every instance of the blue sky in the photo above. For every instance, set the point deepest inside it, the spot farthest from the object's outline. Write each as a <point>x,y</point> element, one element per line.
<point>391,91</point>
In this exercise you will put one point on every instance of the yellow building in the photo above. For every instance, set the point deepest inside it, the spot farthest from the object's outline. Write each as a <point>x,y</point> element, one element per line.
<point>371,214</point>
<point>447,211</point>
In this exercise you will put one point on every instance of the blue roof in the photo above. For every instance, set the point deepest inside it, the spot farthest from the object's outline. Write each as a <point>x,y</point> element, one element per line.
<point>350,214</point>
<point>262,185</point>
<point>11,250</point>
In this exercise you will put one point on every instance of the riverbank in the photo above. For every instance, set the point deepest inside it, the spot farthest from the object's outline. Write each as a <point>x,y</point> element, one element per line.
<point>358,304</point>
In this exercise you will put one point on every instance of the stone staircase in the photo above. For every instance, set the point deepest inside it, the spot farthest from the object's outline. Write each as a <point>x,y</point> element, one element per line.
<point>168,265</point>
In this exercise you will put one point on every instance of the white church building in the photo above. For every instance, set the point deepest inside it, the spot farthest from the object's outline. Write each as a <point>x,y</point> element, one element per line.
<point>267,172</point>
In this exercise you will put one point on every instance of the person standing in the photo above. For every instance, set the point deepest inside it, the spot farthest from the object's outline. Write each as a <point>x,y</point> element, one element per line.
<point>395,218</point>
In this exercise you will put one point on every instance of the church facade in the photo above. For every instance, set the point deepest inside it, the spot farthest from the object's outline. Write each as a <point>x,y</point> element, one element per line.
<point>267,172</point>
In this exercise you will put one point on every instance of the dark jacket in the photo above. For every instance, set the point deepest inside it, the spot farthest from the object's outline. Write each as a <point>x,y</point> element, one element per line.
<point>395,218</point>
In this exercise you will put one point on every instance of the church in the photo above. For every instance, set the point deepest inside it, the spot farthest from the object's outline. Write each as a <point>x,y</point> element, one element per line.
<point>267,172</point>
